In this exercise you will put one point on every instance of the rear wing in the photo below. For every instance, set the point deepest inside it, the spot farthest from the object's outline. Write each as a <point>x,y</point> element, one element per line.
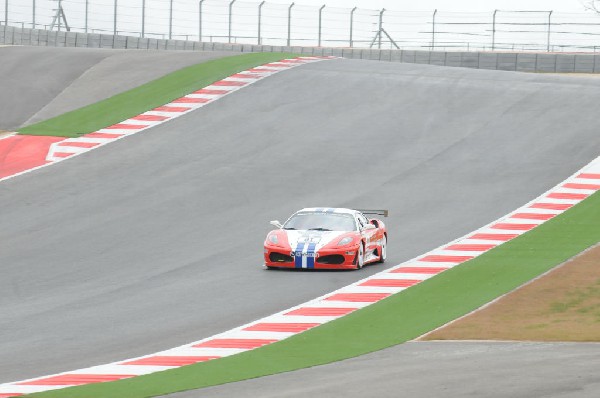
<point>374,212</point>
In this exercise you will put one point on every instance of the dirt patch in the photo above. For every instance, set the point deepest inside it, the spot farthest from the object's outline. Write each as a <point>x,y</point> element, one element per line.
<point>563,305</point>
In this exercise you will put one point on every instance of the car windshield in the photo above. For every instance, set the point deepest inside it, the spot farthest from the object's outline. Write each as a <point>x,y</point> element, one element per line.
<point>321,222</point>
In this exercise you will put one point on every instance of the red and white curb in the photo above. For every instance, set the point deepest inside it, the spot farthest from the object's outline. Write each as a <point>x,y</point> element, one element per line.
<point>51,150</point>
<point>341,302</point>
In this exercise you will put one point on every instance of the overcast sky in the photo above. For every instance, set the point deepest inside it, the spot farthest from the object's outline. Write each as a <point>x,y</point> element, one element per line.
<point>454,5</point>
<point>396,5</point>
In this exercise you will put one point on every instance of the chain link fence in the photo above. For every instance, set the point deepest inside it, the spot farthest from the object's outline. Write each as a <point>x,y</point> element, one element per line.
<point>265,23</point>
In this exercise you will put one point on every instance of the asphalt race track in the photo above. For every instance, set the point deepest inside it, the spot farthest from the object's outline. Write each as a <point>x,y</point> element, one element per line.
<point>156,240</point>
<point>39,83</point>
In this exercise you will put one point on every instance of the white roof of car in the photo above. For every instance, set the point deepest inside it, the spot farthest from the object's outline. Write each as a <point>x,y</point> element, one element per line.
<point>328,210</point>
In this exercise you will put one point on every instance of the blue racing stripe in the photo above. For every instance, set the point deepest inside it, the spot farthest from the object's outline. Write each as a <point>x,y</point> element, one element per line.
<point>310,261</point>
<point>298,255</point>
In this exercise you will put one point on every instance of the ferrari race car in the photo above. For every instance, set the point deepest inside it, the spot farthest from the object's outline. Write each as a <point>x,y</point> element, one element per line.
<point>327,238</point>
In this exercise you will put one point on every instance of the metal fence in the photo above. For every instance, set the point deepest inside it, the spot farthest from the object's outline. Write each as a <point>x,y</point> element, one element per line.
<point>243,22</point>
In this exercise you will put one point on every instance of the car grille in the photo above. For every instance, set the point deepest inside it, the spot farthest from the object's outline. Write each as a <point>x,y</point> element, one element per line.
<point>331,259</point>
<point>280,258</point>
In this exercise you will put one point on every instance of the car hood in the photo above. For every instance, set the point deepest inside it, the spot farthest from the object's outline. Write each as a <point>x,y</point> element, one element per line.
<point>318,238</point>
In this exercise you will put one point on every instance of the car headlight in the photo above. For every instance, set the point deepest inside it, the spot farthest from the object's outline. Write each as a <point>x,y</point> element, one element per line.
<point>273,239</point>
<point>345,241</point>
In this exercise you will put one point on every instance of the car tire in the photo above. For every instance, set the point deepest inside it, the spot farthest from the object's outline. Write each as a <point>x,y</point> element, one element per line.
<point>360,257</point>
<point>383,250</point>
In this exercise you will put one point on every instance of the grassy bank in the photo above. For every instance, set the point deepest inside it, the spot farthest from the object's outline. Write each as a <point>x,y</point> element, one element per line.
<point>563,305</point>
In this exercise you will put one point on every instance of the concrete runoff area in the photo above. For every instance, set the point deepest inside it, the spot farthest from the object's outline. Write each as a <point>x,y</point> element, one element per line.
<point>156,240</point>
<point>436,369</point>
<point>39,83</point>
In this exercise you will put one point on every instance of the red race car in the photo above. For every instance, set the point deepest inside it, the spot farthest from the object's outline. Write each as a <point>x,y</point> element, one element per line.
<point>327,238</point>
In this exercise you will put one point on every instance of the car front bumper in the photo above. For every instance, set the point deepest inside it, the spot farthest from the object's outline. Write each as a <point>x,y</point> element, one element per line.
<point>339,258</point>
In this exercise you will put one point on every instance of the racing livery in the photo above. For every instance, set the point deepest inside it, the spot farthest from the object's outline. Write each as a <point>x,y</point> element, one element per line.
<point>327,238</point>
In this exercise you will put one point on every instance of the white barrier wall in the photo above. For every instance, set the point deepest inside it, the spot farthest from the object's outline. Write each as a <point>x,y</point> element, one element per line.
<point>525,62</point>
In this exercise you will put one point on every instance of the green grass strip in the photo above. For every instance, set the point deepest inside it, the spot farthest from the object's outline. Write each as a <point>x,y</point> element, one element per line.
<point>148,96</point>
<point>392,321</point>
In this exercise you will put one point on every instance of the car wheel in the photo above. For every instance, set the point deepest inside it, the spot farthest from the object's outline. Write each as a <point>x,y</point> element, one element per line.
<point>360,261</point>
<point>383,250</point>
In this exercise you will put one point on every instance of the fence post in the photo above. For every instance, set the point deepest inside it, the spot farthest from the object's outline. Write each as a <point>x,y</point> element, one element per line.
<point>6,12</point>
<point>433,30</point>
<point>143,18</point>
<point>494,30</point>
<point>86,15</point>
<point>320,23</point>
<point>260,22</point>
<point>57,14</point>
<point>380,27</point>
<point>33,15</point>
<point>200,20</point>
<point>289,38</point>
<point>115,19</point>
<point>229,27</point>
<point>352,26</point>
<point>549,25</point>
<point>170,19</point>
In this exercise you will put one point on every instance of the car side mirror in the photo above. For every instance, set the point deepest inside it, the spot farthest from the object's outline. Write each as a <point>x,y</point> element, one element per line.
<point>368,227</point>
<point>276,223</point>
